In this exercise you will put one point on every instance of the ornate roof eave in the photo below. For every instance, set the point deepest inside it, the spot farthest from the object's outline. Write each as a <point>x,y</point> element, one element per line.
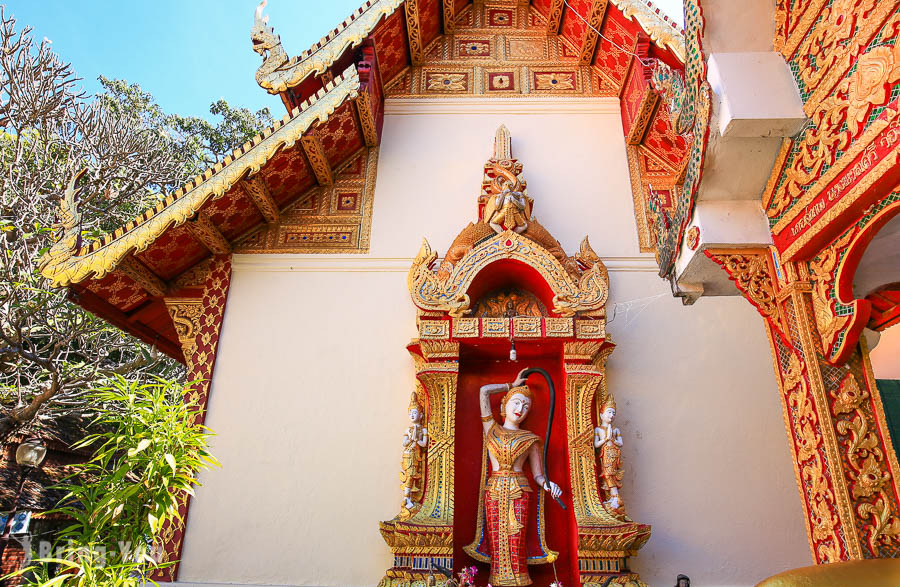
<point>66,264</point>
<point>661,30</point>
<point>278,72</point>
<point>318,58</point>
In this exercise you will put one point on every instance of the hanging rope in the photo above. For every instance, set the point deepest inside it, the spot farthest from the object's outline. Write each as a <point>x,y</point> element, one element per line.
<point>552,389</point>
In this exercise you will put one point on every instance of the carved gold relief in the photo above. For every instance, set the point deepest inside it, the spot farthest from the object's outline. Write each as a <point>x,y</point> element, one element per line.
<point>429,292</point>
<point>591,36</point>
<point>449,16</point>
<point>750,272</point>
<point>554,81</point>
<point>822,271</point>
<point>465,327</point>
<point>318,161</point>
<point>868,473</point>
<point>863,90</point>
<point>367,118</point>
<point>841,32</point>
<point>332,219</point>
<point>526,326</point>
<point>493,327</point>
<point>144,277</point>
<point>554,17</point>
<point>256,189</point>
<point>559,327</point>
<point>413,30</point>
<point>434,329</point>
<point>186,313</point>
<point>590,329</point>
<point>514,60</point>
<point>440,387</point>
<point>820,498</point>
<point>446,82</point>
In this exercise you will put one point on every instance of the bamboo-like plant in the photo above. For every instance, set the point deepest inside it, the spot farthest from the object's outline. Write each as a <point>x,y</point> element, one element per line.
<point>146,457</point>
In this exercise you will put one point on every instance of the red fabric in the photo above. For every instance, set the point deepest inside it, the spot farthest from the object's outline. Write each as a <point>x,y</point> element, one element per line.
<point>517,542</point>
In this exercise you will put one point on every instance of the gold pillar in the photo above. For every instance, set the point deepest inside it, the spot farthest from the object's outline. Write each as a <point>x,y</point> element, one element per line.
<point>426,536</point>
<point>845,464</point>
<point>605,540</point>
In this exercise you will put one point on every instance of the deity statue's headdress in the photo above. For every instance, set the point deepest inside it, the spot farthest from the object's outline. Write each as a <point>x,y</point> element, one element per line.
<point>609,403</point>
<point>523,389</point>
<point>414,404</point>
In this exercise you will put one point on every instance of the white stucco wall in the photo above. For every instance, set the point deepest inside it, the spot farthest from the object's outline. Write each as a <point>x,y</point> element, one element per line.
<point>312,381</point>
<point>886,355</point>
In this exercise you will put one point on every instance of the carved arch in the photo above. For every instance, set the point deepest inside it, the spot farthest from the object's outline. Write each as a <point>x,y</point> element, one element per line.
<point>430,293</point>
<point>840,316</point>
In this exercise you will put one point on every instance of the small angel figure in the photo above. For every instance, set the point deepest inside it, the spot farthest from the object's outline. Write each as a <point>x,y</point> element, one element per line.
<point>607,445</point>
<point>414,441</point>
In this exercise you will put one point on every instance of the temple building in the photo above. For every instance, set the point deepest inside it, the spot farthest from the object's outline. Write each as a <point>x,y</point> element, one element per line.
<point>557,290</point>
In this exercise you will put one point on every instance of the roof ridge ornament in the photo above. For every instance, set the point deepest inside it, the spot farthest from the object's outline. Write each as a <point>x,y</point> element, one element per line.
<point>502,143</point>
<point>662,30</point>
<point>506,229</point>
<point>67,240</point>
<point>268,44</point>
<point>280,72</point>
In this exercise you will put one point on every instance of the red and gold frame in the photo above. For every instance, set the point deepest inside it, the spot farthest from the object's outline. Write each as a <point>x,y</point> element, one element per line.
<point>845,464</point>
<point>198,322</point>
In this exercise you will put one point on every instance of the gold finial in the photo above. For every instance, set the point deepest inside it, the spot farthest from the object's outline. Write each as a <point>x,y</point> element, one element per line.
<point>502,144</point>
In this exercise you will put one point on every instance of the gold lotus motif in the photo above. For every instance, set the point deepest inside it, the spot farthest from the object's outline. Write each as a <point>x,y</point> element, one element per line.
<point>555,81</point>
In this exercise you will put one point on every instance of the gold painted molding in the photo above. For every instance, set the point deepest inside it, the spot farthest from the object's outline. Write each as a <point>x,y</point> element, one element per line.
<point>65,264</point>
<point>356,263</point>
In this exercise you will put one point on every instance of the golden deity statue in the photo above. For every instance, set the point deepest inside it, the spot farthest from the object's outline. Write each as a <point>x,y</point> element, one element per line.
<point>414,442</point>
<point>608,445</point>
<point>507,496</point>
<point>509,209</point>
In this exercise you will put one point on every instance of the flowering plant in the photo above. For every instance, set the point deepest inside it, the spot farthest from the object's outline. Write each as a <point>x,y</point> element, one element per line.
<point>467,576</point>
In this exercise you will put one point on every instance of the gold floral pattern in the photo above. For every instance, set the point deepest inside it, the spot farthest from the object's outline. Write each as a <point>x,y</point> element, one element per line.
<point>554,81</point>
<point>446,82</point>
<point>868,86</point>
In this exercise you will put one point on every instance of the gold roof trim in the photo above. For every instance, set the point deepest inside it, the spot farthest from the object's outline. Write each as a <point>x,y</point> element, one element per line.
<point>65,264</point>
<point>662,30</point>
<point>277,77</point>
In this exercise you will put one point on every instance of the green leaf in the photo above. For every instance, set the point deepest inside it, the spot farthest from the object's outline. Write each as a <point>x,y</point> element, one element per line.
<point>143,444</point>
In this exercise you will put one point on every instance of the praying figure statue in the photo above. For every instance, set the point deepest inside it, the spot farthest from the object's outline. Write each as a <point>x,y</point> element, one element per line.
<point>503,520</point>
<point>507,211</point>
<point>608,446</point>
<point>414,441</point>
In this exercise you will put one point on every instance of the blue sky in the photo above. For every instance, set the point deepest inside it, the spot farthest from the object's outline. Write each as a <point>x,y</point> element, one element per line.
<point>188,54</point>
